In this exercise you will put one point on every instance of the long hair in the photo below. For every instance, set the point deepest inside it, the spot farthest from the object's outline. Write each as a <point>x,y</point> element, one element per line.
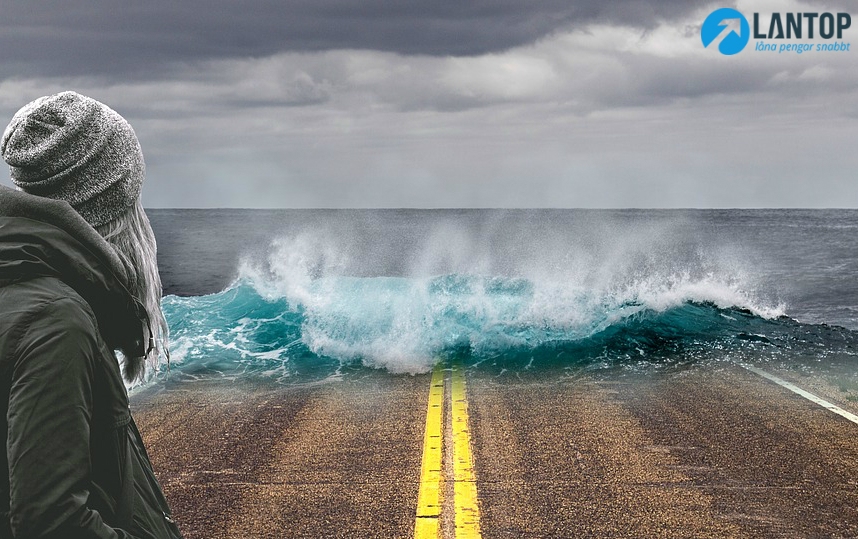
<point>132,238</point>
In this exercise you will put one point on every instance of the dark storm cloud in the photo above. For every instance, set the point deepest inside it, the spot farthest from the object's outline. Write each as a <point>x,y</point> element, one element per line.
<point>386,103</point>
<point>141,39</point>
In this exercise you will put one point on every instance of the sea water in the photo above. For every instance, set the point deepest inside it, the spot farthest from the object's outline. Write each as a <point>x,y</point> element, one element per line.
<point>300,295</point>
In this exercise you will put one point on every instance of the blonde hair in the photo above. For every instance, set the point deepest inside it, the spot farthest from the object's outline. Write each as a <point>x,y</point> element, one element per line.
<point>132,238</point>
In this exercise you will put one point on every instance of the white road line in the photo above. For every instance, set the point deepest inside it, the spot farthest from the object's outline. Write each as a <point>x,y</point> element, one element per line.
<point>799,391</point>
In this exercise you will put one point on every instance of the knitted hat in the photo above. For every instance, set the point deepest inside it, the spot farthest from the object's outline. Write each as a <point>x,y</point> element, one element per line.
<point>71,147</point>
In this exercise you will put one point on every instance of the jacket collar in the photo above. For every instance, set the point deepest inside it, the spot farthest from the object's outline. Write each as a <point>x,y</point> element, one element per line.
<point>42,237</point>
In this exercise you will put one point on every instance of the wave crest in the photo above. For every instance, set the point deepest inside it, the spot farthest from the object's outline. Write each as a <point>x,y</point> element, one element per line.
<point>311,309</point>
<point>405,324</point>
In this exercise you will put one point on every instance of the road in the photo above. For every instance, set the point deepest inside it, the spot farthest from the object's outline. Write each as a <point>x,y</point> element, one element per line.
<point>703,451</point>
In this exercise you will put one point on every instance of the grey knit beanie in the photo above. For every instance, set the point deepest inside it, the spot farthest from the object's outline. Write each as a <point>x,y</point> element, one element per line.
<point>71,147</point>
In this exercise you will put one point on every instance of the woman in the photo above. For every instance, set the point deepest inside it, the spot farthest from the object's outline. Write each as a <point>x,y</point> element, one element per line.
<point>78,281</point>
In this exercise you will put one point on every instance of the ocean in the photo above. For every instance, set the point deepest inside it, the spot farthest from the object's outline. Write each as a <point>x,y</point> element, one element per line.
<point>294,296</point>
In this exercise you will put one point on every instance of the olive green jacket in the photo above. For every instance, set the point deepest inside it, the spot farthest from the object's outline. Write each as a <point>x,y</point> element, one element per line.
<point>76,463</point>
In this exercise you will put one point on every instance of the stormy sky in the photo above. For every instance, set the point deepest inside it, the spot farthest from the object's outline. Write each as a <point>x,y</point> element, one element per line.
<point>386,103</point>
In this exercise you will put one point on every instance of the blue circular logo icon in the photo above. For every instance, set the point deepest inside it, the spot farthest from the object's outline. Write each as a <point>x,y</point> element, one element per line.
<point>727,28</point>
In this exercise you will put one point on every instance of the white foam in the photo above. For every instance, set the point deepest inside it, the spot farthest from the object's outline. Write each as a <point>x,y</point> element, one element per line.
<point>554,289</point>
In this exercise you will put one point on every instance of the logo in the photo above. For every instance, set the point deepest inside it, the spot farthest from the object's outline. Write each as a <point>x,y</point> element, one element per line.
<point>727,29</point>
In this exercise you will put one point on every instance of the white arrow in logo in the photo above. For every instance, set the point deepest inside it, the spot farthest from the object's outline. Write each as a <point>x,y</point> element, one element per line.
<point>730,25</point>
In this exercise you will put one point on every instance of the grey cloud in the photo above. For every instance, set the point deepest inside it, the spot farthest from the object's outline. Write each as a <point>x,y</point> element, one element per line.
<point>363,104</point>
<point>140,40</point>
<point>830,5</point>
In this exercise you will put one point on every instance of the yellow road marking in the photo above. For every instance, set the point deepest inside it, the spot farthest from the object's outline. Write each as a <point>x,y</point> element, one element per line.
<point>465,486</point>
<point>426,525</point>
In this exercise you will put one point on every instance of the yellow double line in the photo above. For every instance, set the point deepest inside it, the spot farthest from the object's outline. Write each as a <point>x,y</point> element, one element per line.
<point>430,499</point>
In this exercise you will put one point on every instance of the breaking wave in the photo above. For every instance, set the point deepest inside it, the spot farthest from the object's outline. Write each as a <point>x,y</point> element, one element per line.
<point>302,316</point>
<point>318,304</point>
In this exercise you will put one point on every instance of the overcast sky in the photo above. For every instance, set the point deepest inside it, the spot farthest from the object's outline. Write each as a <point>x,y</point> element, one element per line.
<point>386,103</point>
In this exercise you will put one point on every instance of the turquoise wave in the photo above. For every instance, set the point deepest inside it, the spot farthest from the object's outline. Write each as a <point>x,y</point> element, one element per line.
<point>315,330</point>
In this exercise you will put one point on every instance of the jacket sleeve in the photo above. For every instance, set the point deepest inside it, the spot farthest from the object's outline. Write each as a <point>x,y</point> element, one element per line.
<point>50,409</point>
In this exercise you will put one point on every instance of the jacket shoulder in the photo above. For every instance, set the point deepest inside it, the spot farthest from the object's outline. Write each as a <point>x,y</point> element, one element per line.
<point>40,290</point>
<point>45,305</point>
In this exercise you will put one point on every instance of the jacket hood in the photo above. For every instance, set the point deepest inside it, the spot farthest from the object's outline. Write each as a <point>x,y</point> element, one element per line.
<point>41,237</point>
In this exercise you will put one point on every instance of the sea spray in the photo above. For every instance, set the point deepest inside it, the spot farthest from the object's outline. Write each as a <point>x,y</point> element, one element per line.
<point>490,294</point>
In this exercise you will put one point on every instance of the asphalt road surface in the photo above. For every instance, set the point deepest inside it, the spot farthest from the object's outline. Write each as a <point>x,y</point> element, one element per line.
<point>704,451</point>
